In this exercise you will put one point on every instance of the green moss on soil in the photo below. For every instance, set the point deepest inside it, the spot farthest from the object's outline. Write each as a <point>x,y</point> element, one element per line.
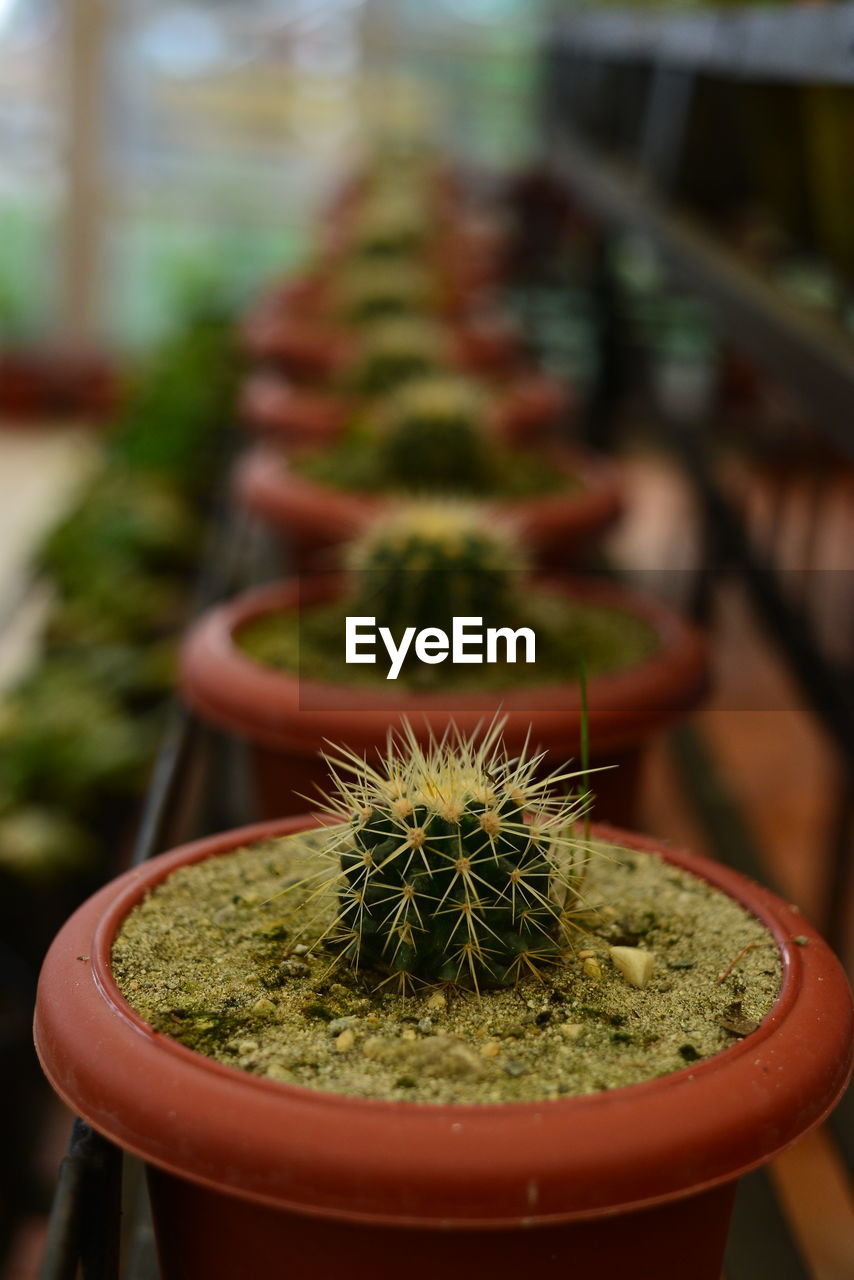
<point>226,957</point>
<point>354,464</point>
<point>311,644</point>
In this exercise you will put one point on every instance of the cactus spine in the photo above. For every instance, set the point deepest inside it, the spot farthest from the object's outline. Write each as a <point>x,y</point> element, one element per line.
<point>429,561</point>
<point>455,864</point>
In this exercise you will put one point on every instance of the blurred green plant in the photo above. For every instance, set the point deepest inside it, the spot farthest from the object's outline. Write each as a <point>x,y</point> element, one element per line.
<point>77,735</point>
<point>69,744</point>
<point>183,392</point>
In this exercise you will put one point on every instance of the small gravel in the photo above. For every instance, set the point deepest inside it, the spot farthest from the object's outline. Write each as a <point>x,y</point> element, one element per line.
<point>222,958</point>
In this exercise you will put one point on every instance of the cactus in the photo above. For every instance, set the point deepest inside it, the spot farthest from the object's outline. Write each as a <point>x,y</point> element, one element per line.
<point>429,561</point>
<point>393,351</point>
<point>393,223</point>
<point>368,291</point>
<point>455,863</point>
<point>432,437</point>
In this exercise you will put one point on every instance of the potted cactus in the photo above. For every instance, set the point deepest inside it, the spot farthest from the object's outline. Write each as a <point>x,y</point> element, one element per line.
<point>435,1030</point>
<point>315,351</point>
<point>407,244</point>
<point>272,665</point>
<point>434,434</point>
<point>523,408</point>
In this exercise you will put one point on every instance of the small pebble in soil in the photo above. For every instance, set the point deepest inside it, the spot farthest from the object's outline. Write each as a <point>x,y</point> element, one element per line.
<point>635,965</point>
<point>337,1025</point>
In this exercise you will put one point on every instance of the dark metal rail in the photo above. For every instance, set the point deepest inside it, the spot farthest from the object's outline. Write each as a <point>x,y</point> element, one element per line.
<point>795,44</point>
<point>84,1230</point>
<point>804,353</point>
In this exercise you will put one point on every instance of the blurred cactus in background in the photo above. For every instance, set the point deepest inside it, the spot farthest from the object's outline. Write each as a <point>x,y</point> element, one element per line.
<point>427,562</point>
<point>393,222</point>
<point>369,291</point>
<point>433,438</point>
<point>393,351</point>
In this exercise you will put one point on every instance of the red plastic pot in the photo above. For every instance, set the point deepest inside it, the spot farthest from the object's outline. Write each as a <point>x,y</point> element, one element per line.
<point>315,517</point>
<point>289,721</point>
<point>527,408</point>
<point>44,383</point>
<point>314,351</point>
<point>445,192</point>
<point>251,1177</point>
<point>467,265</point>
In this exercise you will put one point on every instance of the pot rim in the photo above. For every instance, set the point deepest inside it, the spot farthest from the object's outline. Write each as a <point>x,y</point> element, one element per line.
<point>284,709</point>
<point>265,484</point>
<point>271,405</point>
<point>451,1166</point>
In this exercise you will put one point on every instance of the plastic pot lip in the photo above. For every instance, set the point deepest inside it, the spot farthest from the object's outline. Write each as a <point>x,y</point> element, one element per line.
<point>264,483</point>
<point>271,405</point>
<point>410,1164</point>
<point>283,710</point>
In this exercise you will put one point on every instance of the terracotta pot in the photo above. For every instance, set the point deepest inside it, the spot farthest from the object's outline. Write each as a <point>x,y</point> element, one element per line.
<point>248,1175</point>
<point>43,383</point>
<point>22,385</point>
<point>317,352</point>
<point>289,721</point>
<point>527,408</point>
<point>466,271</point>
<point>310,299</point>
<point>555,527</point>
<point>445,191</point>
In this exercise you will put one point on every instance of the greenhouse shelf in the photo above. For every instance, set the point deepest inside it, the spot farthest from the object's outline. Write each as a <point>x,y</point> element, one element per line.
<point>806,354</point>
<point>100,1225</point>
<point>806,44</point>
<point>191,786</point>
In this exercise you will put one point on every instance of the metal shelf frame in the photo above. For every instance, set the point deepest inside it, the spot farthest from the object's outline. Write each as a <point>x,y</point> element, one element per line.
<point>586,62</point>
<point>195,789</point>
<point>805,44</point>
<point>804,353</point>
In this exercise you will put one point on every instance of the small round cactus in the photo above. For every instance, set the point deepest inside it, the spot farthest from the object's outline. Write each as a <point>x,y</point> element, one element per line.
<point>456,864</point>
<point>394,350</point>
<point>432,437</point>
<point>431,560</point>
<point>368,291</point>
<point>390,224</point>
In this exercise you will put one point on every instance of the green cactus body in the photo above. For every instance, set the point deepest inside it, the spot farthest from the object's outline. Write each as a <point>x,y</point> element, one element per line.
<point>393,351</point>
<point>430,561</point>
<point>457,864</point>
<point>432,437</point>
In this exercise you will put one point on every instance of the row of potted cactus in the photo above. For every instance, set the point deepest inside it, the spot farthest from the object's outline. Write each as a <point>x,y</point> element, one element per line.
<point>348,1040</point>
<point>389,444</point>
